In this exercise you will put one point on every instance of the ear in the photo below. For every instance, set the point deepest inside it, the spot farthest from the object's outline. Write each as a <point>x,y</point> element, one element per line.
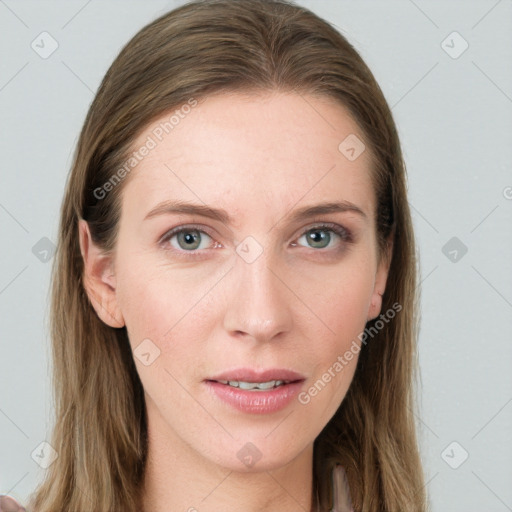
<point>381,277</point>
<point>98,278</point>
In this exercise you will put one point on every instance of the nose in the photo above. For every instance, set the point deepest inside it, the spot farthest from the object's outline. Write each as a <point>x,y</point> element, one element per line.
<point>259,302</point>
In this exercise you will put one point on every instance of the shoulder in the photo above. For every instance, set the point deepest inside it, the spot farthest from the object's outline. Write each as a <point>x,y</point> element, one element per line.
<point>9,504</point>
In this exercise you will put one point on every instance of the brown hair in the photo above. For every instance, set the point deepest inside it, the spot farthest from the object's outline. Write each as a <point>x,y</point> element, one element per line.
<point>201,48</point>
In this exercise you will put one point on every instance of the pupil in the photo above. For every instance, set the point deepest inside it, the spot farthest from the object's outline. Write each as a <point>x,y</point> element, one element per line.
<point>319,236</point>
<point>190,238</point>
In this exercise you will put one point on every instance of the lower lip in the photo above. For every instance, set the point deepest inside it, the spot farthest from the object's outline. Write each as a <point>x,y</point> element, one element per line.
<point>256,402</point>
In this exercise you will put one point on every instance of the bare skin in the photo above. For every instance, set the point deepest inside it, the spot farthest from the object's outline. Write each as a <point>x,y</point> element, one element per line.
<point>299,305</point>
<point>9,504</point>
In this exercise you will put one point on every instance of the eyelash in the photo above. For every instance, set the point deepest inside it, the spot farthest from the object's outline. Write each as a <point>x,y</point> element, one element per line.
<point>344,234</point>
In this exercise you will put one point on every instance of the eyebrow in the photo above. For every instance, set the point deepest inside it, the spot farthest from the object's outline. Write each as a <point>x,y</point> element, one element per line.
<point>183,207</point>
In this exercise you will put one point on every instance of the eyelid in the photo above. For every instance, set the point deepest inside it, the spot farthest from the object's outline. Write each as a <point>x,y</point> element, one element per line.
<point>344,233</point>
<point>184,227</point>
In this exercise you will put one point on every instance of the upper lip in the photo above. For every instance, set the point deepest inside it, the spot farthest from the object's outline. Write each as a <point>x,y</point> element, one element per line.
<point>253,375</point>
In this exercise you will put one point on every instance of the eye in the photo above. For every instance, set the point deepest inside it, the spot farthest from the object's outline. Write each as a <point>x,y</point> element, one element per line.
<point>194,240</point>
<point>319,237</point>
<point>188,239</point>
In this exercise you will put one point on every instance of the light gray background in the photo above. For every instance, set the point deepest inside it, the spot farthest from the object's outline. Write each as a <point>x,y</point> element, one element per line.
<point>455,123</point>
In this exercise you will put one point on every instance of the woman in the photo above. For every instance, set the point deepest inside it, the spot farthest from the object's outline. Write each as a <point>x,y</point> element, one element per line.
<point>234,291</point>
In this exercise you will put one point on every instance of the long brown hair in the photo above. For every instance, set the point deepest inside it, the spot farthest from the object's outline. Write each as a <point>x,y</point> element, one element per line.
<point>201,48</point>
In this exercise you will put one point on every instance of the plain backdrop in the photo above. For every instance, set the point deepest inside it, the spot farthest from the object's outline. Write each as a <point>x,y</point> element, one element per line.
<point>445,70</point>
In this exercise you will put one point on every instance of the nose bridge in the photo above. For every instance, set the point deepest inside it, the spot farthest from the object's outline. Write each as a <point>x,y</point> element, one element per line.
<point>259,305</point>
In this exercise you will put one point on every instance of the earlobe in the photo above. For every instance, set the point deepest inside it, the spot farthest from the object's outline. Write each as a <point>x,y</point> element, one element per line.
<point>99,279</point>
<point>375,305</point>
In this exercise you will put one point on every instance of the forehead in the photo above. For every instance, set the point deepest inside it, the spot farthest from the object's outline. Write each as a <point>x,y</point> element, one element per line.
<point>251,154</point>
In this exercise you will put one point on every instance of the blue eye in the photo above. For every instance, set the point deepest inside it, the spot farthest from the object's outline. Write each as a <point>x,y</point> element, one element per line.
<point>321,236</point>
<point>193,240</point>
<point>188,239</point>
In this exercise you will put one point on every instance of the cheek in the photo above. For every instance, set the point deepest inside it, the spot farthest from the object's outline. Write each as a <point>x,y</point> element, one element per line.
<point>342,299</point>
<point>143,305</point>
<point>168,307</point>
<point>341,302</point>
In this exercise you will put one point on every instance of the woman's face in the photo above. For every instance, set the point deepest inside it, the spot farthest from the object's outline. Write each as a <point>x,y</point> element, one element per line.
<point>257,288</point>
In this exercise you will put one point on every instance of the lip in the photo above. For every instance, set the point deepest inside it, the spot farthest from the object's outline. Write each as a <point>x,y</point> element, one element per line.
<point>253,375</point>
<point>255,402</point>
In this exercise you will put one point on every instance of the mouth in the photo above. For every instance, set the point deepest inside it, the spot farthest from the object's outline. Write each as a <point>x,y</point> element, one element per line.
<point>255,386</point>
<point>251,378</point>
<point>256,391</point>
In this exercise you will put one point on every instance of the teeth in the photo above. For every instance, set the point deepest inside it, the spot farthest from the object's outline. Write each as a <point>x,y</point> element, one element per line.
<point>253,385</point>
